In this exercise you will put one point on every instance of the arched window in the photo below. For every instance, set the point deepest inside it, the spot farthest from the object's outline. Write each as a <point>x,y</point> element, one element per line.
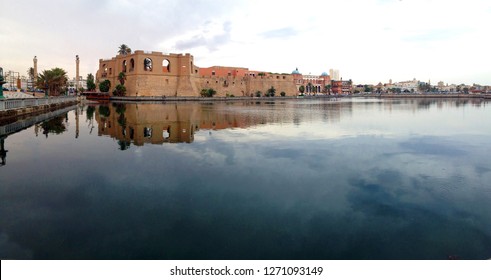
<point>132,64</point>
<point>166,66</point>
<point>166,133</point>
<point>124,66</point>
<point>147,132</point>
<point>147,64</point>
<point>104,73</point>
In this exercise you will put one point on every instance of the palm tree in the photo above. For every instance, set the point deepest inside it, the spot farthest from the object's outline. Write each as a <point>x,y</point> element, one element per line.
<point>124,49</point>
<point>328,89</point>
<point>122,77</point>
<point>30,73</point>
<point>52,80</point>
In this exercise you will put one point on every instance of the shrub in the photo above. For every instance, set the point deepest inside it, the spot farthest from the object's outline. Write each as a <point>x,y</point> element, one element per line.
<point>282,93</point>
<point>208,92</point>
<point>104,86</point>
<point>120,90</point>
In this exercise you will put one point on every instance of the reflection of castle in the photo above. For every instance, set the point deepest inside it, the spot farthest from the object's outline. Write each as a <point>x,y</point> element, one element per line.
<point>176,123</point>
<point>155,124</point>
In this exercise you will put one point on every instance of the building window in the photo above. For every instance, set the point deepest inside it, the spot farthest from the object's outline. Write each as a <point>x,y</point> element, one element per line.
<point>166,133</point>
<point>147,64</point>
<point>132,64</point>
<point>124,66</point>
<point>166,66</point>
<point>213,73</point>
<point>147,132</point>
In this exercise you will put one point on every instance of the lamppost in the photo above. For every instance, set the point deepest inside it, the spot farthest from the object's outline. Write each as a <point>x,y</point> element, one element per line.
<point>2,81</point>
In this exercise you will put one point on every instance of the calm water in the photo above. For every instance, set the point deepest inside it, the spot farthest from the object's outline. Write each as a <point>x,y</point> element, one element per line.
<point>308,179</point>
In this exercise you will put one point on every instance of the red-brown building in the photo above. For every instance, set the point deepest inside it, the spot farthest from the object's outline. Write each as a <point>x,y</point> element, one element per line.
<point>342,87</point>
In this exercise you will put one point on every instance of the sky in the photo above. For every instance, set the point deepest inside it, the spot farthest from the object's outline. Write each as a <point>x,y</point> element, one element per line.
<point>369,41</point>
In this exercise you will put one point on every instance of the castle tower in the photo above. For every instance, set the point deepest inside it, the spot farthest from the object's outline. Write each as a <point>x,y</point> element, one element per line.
<point>77,61</point>
<point>35,60</point>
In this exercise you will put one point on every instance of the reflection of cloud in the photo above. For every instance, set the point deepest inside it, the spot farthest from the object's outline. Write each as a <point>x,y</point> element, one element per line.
<point>397,221</point>
<point>432,146</point>
<point>10,250</point>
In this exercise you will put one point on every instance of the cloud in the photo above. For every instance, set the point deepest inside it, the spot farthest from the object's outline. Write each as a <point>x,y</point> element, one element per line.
<point>285,32</point>
<point>204,39</point>
<point>436,35</point>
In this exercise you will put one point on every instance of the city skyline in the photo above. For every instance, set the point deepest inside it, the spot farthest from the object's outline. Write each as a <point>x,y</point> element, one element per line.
<point>368,41</point>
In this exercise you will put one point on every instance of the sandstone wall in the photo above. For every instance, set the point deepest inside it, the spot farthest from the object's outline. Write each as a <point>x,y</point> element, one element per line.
<point>248,85</point>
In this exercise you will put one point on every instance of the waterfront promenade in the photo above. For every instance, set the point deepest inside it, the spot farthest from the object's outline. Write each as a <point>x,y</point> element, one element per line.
<point>16,107</point>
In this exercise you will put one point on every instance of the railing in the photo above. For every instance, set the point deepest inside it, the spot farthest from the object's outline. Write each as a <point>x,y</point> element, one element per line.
<point>10,104</point>
<point>19,125</point>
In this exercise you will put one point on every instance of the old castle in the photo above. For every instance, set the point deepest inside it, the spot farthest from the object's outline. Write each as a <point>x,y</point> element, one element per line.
<point>159,74</point>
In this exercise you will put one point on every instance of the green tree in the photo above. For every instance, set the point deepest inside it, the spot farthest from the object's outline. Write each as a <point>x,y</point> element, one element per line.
<point>104,86</point>
<point>121,78</point>
<point>90,82</point>
<point>208,92</point>
<point>104,111</point>
<point>271,91</point>
<point>54,80</point>
<point>124,145</point>
<point>30,73</point>
<point>119,90</point>
<point>328,88</point>
<point>90,112</point>
<point>258,93</point>
<point>124,49</point>
<point>301,89</point>
<point>283,93</point>
<point>54,126</point>
<point>466,90</point>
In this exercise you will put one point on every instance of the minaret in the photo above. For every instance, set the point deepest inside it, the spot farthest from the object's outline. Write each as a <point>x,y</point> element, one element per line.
<point>77,61</point>
<point>35,60</point>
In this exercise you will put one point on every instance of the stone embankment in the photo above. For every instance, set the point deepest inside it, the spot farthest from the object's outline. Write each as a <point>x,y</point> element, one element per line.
<point>212,99</point>
<point>14,108</point>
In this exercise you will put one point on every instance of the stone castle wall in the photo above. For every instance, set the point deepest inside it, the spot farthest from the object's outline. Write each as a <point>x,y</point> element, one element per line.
<point>176,75</point>
<point>245,86</point>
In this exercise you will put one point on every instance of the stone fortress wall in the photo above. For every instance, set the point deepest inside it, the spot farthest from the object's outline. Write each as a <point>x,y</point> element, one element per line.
<point>158,74</point>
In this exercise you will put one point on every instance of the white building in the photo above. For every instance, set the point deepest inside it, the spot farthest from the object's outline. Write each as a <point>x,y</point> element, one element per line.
<point>411,86</point>
<point>334,74</point>
<point>72,84</point>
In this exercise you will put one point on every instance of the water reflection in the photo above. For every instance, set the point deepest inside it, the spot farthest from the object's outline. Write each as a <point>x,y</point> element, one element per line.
<point>177,123</point>
<point>310,179</point>
<point>3,152</point>
<point>56,125</point>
